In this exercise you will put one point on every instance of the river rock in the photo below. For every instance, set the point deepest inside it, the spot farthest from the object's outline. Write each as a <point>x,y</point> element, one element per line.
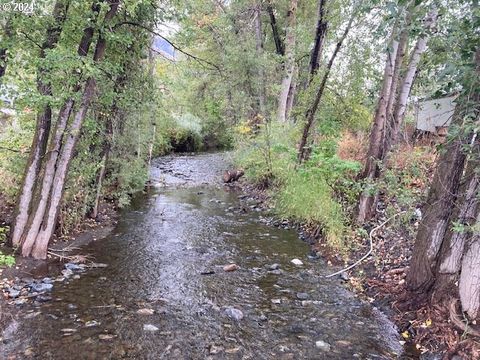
<point>43,298</point>
<point>41,287</point>
<point>302,296</point>
<point>92,323</point>
<point>234,314</point>
<point>215,349</point>
<point>297,262</point>
<point>274,266</point>
<point>97,265</point>
<point>276,272</point>
<point>74,267</point>
<point>150,327</point>
<point>13,293</point>
<point>322,345</point>
<point>67,273</point>
<point>230,267</point>
<point>145,311</point>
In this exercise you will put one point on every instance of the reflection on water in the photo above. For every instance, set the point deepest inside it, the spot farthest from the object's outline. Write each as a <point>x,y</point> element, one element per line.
<point>156,257</point>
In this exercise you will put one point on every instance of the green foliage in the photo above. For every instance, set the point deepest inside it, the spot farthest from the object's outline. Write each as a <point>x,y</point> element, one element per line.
<point>310,194</point>
<point>15,139</point>
<point>6,260</point>
<point>294,200</point>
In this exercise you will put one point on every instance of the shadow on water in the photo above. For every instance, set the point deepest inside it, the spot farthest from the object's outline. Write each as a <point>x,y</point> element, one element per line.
<point>167,255</point>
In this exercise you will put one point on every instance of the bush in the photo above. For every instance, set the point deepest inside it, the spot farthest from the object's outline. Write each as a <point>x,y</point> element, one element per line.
<point>309,194</point>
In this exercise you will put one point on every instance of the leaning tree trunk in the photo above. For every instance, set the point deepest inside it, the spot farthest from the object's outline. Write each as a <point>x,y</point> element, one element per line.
<point>46,214</point>
<point>34,208</point>
<point>42,129</point>
<point>407,82</point>
<point>292,93</point>
<point>289,65</point>
<point>401,49</point>
<point>312,110</point>
<point>279,46</point>
<point>320,33</point>
<point>376,143</point>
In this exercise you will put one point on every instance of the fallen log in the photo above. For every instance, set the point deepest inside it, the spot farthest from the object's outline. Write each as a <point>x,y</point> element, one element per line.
<point>230,176</point>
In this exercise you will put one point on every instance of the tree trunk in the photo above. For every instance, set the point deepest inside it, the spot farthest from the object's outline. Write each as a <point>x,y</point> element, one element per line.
<point>310,114</point>
<point>99,184</point>
<point>441,254</point>
<point>469,283</point>
<point>442,199</point>
<point>464,214</point>
<point>3,61</point>
<point>259,50</point>
<point>407,83</point>
<point>7,33</point>
<point>289,66</point>
<point>42,129</point>
<point>401,49</point>
<point>279,46</point>
<point>320,33</point>
<point>376,143</point>
<point>43,224</point>
<point>29,210</point>
<point>292,93</point>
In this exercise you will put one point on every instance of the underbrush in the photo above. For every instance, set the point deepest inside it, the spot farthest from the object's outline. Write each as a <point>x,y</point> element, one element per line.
<point>309,194</point>
<point>324,191</point>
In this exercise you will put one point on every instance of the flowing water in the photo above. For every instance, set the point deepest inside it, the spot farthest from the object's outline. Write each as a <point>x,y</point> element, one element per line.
<point>167,255</point>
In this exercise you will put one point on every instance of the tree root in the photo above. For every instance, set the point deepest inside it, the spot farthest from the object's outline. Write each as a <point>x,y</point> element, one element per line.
<point>457,320</point>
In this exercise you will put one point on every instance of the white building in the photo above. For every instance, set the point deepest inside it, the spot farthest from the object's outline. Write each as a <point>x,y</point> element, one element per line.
<point>434,116</point>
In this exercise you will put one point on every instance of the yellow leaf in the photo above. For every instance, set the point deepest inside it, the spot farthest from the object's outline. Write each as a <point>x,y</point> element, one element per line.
<point>405,334</point>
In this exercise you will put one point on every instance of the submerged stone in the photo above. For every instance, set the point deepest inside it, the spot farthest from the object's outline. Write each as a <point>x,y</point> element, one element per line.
<point>322,345</point>
<point>297,262</point>
<point>150,327</point>
<point>234,314</point>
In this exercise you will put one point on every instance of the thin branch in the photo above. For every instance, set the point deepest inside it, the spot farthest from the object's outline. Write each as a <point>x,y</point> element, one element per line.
<point>176,47</point>
<point>14,150</point>
<point>163,56</point>
<point>33,41</point>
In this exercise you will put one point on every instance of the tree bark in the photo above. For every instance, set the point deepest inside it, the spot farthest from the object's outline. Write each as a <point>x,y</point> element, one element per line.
<point>376,143</point>
<point>310,114</point>
<point>7,33</point>
<point>438,210</point>
<point>407,82</point>
<point>35,208</point>
<point>44,221</point>
<point>469,283</point>
<point>259,50</point>
<point>320,33</point>
<point>464,214</point>
<point>292,93</point>
<point>279,46</point>
<point>42,129</point>
<point>289,66</point>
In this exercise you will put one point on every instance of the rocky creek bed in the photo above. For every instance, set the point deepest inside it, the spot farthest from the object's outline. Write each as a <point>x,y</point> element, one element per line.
<point>193,271</point>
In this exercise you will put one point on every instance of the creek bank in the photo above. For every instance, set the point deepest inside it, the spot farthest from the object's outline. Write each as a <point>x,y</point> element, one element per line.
<point>427,332</point>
